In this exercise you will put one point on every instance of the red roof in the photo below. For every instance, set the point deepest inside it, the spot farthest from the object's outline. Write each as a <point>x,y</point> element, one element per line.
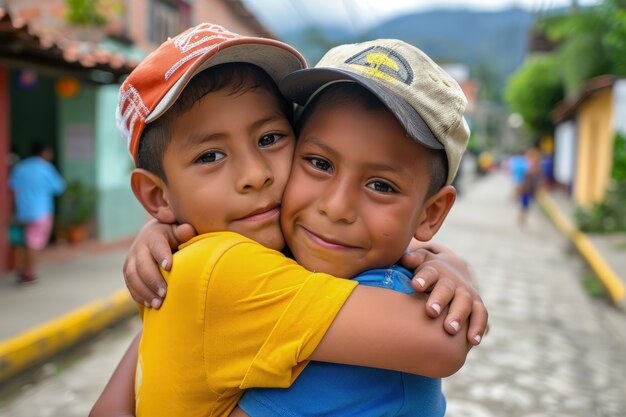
<point>24,45</point>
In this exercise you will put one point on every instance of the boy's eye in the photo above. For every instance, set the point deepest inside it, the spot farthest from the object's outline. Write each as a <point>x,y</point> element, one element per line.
<point>321,164</point>
<point>269,139</point>
<point>210,156</point>
<point>381,187</point>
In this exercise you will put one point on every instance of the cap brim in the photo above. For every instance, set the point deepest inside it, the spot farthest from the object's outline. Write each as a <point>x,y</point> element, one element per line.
<point>303,85</point>
<point>274,57</point>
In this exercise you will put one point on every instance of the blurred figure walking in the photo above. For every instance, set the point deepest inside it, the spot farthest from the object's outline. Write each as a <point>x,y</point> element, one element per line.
<point>34,182</point>
<point>530,182</point>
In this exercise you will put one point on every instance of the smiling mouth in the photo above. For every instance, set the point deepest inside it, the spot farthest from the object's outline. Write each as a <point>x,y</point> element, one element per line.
<point>261,214</point>
<point>326,242</point>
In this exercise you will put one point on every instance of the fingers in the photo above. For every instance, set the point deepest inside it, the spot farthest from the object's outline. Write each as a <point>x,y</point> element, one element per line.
<point>478,324</point>
<point>413,259</point>
<point>424,278</point>
<point>149,273</point>
<point>467,305</point>
<point>183,233</point>
<point>159,251</point>
<point>460,309</point>
<point>139,291</point>
<point>440,296</point>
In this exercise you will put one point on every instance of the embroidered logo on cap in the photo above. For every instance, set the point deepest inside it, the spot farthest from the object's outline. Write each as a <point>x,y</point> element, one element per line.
<point>198,41</point>
<point>383,63</point>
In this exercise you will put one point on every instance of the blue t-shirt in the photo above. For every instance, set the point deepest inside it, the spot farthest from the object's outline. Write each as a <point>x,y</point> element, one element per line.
<point>327,389</point>
<point>518,166</point>
<point>35,182</point>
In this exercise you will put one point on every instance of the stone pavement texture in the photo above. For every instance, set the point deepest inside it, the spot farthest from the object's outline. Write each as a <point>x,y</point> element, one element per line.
<point>552,351</point>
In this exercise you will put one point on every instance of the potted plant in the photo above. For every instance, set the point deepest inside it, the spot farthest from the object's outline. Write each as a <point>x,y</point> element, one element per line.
<point>76,207</point>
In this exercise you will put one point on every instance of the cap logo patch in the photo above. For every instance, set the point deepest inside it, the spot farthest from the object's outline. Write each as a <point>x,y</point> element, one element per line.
<point>198,41</point>
<point>384,63</point>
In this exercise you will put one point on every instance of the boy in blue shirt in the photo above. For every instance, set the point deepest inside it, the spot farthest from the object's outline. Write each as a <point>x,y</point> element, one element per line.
<point>380,137</point>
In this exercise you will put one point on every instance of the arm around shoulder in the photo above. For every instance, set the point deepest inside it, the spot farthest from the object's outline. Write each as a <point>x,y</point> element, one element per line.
<point>386,329</point>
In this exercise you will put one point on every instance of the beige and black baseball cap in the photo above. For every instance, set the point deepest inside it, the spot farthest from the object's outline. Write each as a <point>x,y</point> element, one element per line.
<point>427,101</point>
<point>157,82</point>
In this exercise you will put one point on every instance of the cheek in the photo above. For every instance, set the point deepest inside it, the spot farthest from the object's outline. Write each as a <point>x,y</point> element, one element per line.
<point>388,231</point>
<point>282,169</point>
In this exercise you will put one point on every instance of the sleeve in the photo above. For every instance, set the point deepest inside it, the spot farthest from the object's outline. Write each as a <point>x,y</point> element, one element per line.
<point>57,183</point>
<point>265,315</point>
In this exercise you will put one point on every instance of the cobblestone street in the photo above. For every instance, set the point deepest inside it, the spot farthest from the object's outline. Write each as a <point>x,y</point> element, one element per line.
<point>552,351</point>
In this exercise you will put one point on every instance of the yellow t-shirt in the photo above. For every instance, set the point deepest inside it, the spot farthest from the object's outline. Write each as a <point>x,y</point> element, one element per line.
<point>237,315</point>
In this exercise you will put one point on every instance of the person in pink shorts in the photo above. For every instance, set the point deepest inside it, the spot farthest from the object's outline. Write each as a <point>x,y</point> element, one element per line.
<point>35,182</point>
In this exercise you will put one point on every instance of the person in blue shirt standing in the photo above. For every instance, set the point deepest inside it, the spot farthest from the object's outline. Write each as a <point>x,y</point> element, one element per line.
<point>35,182</point>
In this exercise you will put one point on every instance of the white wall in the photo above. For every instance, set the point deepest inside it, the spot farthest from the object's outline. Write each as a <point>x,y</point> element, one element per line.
<point>565,152</point>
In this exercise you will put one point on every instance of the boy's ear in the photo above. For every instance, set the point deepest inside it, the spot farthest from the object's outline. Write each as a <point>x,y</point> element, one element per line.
<point>435,210</point>
<point>151,192</point>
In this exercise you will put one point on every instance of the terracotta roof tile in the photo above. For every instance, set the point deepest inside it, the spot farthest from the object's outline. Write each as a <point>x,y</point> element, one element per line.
<point>23,44</point>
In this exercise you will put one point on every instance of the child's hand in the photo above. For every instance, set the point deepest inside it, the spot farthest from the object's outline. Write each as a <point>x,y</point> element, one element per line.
<point>152,248</point>
<point>449,280</point>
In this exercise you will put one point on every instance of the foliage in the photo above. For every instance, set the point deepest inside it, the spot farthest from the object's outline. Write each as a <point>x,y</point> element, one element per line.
<point>534,91</point>
<point>76,205</point>
<point>581,53</point>
<point>618,172</point>
<point>607,216</point>
<point>85,13</point>
<point>589,42</point>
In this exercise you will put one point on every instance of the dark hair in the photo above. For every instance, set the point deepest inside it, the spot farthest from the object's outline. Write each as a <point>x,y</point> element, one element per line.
<point>351,93</point>
<point>38,148</point>
<point>237,77</point>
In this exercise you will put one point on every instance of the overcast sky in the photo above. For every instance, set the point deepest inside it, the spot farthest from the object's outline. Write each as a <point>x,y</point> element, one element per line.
<point>358,14</point>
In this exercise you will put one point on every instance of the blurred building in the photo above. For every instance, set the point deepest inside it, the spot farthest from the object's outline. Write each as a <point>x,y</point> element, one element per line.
<point>60,71</point>
<point>586,125</point>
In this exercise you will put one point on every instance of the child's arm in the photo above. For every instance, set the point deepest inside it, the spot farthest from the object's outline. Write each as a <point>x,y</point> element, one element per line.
<point>445,276</point>
<point>118,396</point>
<point>380,328</point>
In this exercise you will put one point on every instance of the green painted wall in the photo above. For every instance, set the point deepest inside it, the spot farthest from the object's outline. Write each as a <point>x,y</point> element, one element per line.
<point>119,213</point>
<point>93,153</point>
<point>76,133</point>
<point>33,114</point>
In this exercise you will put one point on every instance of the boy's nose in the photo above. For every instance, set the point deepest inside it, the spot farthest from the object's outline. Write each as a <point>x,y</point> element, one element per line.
<point>338,204</point>
<point>254,174</point>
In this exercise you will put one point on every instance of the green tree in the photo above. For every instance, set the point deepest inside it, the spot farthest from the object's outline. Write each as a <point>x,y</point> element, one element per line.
<point>615,36</point>
<point>533,92</point>
<point>84,13</point>
<point>582,51</point>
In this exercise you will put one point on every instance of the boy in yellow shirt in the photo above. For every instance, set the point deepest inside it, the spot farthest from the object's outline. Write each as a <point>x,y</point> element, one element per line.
<point>240,314</point>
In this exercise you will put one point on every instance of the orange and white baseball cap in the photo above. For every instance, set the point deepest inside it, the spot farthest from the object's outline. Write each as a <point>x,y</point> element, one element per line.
<point>155,84</point>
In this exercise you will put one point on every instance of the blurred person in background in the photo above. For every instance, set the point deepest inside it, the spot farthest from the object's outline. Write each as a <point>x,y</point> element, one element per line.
<point>529,184</point>
<point>517,166</point>
<point>34,182</point>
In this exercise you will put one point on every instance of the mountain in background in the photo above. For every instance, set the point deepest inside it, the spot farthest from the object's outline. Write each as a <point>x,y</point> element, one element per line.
<point>492,42</point>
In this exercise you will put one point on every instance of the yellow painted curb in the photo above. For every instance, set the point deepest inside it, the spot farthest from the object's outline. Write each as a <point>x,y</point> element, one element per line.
<point>36,344</point>
<point>611,281</point>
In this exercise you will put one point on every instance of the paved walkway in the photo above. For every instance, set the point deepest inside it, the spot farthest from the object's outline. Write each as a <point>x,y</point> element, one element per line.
<point>553,351</point>
<point>70,277</point>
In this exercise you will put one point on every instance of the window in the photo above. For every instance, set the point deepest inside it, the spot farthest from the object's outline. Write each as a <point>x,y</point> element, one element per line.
<point>168,18</point>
